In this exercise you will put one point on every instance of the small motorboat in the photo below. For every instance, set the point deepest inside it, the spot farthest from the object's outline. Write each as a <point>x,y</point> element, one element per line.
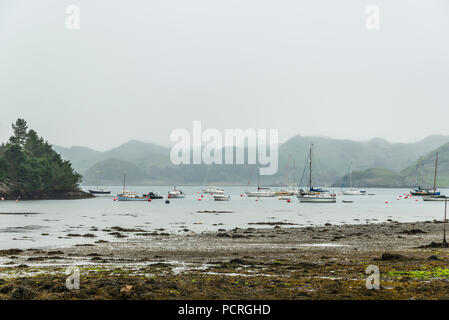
<point>176,194</point>
<point>354,192</point>
<point>221,197</point>
<point>348,201</point>
<point>153,195</point>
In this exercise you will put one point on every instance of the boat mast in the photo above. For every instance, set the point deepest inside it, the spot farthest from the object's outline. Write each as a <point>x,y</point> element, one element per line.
<point>124,182</point>
<point>258,178</point>
<point>435,177</point>
<point>205,179</point>
<point>294,172</point>
<point>310,167</point>
<point>350,176</point>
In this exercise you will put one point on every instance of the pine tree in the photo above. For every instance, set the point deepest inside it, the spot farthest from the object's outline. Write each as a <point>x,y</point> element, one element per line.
<point>20,132</point>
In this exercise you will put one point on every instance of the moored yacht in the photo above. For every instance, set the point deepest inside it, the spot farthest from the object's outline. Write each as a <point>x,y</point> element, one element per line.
<point>126,195</point>
<point>435,196</point>
<point>176,194</point>
<point>352,191</point>
<point>261,191</point>
<point>315,195</point>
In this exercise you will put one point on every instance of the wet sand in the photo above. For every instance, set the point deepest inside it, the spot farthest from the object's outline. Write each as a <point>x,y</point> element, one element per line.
<point>278,261</point>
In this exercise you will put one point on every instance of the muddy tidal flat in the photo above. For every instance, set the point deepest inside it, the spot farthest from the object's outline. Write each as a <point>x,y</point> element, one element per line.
<point>278,261</point>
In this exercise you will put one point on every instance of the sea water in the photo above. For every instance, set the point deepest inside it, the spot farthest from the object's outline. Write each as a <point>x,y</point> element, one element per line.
<point>46,223</point>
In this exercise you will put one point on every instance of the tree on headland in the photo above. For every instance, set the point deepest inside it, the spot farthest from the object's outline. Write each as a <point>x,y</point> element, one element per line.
<point>20,132</point>
<point>30,164</point>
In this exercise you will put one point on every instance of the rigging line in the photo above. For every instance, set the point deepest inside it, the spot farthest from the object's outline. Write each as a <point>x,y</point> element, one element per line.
<point>304,171</point>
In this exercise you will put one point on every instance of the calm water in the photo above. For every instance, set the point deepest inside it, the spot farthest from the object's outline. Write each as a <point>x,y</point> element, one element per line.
<point>22,223</point>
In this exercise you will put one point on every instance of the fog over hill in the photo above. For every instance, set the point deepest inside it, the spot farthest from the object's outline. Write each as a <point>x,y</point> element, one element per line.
<point>148,163</point>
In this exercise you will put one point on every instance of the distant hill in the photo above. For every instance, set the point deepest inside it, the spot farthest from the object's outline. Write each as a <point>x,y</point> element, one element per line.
<point>111,172</point>
<point>332,158</point>
<point>374,178</point>
<point>421,171</point>
<point>140,153</point>
<point>426,166</point>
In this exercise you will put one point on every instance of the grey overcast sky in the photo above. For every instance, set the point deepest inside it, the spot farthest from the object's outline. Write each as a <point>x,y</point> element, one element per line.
<point>139,69</point>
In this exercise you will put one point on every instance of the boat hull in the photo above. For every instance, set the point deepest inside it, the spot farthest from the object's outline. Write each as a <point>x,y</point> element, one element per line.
<point>354,193</point>
<point>435,198</point>
<point>211,191</point>
<point>126,198</point>
<point>222,198</point>
<point>176,196</point>
<point>424,193</point>
<point>260,194</point>
<point>99,192</point>
<point>316,199</point>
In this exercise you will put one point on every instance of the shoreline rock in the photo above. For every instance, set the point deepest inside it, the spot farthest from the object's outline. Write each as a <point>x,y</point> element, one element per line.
<point>6,193</point>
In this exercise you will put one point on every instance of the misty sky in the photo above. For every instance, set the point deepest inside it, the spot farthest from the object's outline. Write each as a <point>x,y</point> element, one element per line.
<point>139,69</point>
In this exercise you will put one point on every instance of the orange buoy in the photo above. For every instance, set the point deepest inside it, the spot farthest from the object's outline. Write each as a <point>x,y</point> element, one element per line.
<point>386,202</point>
<point>288,200</point>
<point>149,200</point>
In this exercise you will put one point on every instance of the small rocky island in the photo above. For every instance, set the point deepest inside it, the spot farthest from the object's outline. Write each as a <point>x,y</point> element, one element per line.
<point>31,170</point>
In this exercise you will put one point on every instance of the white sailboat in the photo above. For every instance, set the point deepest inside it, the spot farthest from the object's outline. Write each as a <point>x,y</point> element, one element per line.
<point>435,197</point>
<point>127,195</point>
<point>98,190</point>
<point>211,189</point>
<point>261,191</point>
<point>352,191</point>
<point>290,190</point>
<point>315,195</point>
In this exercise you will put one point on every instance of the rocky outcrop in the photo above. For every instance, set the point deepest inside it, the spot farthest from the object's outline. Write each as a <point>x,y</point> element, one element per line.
<point>11,191</point>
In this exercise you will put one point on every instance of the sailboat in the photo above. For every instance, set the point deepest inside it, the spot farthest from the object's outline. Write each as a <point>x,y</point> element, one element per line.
<point>98,190</point>
<point>435,197</point>
<point>128,195</point>
<point>421,191</point>
<point>315,195</point>
<point>211,189</point>
<point>352,191</point>
<point>289,191</point>
<point>261,191</point>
